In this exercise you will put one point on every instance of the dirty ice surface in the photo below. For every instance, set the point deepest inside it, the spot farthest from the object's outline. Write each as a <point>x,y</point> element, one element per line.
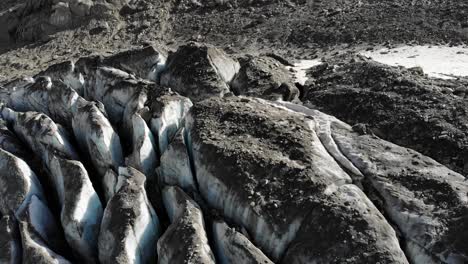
<point>436,61</point>
<point>300,69</point>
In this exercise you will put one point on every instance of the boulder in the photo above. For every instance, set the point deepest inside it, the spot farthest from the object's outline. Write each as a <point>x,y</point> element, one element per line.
<point>199,71</point>
<point>266,78</point>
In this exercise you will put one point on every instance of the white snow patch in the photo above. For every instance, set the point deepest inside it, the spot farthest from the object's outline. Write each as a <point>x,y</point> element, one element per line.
<point>300,69</point>
<point>436,61</point>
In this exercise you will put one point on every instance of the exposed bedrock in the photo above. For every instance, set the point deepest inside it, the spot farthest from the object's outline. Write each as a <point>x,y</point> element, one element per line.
<point>233,247</point>
<point>199,71</point>
<point>168,110</point>
<point>10,241</point>
<point>265,168</point>
<point>266,78</point>
<point>175,168</point>
<point>185,241</point>
<point>130,226</point>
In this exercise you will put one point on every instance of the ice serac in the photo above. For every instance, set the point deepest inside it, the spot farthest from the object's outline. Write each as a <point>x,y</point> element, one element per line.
<point>81,211</point>
<point>185,241</point>
<point>345,227</point>
<point>67,73</point>
<point>175,168</point>
<point>40,220</point>
<point>32,96</point>
<point>130,226</point>
<point>262,166</point>
<point>40,133</point>
<point>233,247</point>
<point>143,145</point>
<point>266,78</point>
<point>9,142</point>
<point>35,249</point>
<point>10,242</point>
<point>199,71</point>
<point>18,183</point>
<point>168,111</point>
<point>426,201</point>
<point>99,141</point>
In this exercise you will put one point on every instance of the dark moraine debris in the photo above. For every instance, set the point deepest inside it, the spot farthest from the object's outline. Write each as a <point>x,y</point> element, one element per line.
<point>397,104</point>
<point>233,247</point>
<point>266,78</point>
<point>10,241</point>
<point>185,241</point>
<point>130,226</point>
<point>265,168</point>
<point>199,71</point>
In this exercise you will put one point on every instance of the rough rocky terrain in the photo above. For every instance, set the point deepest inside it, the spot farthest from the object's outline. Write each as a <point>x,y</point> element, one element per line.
<point>178,132</point>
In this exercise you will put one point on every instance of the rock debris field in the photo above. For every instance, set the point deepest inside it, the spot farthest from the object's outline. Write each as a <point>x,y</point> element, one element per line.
<point>195,154</point>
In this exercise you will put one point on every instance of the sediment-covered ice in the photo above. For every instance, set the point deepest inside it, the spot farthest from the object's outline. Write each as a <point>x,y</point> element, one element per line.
<point>233,247</point>
<point>426,201</point>
<point>35,249</point>
<point>267,169</point>
<point>10,241</point>
<point>18,183</point>
<point>175,164</point>
<point>143,145</point>
<point>168,111</point>
<point>81,209</point>
<point>130,226</point>
<point>199,71</point>
<point>185,241</point>
<point>40,221</point>
<point>97,138</point>
<point>40,133</point>
<point>345,227</point>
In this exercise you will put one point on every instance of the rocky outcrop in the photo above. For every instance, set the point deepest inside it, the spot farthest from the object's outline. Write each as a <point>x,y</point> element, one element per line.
<point>130,227</point>
<point>232,246</point>
<point>185,241</point>
<point>266,78</point>
<point>199,71</point>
